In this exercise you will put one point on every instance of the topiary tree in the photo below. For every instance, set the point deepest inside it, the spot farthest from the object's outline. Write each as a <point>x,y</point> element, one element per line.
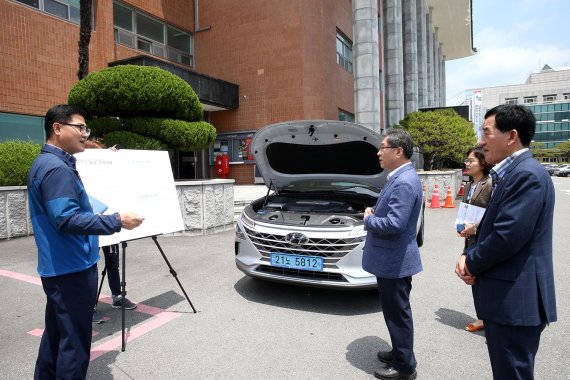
<point>442,135</point>
<point>147,102</point>
<point>16,159</point>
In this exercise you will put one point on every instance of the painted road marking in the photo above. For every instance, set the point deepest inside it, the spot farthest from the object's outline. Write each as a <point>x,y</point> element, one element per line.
<point>159,318</point>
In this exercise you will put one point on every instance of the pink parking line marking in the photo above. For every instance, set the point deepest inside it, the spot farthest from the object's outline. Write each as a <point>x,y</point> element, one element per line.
<point>20,276</point>
<point>39,332</point>
<point>141,308</point>
<point>134,333</point>
<point>36,332</point>
<point>160,317</point>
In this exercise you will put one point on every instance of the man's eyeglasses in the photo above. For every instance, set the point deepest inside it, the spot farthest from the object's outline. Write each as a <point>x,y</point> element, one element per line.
<point>387,147</point>
<point>80,127</point>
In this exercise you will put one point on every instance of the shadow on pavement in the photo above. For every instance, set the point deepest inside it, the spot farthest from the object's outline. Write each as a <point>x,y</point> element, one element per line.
<point>361,353</point>
<point>455,319</point>
<point>101,368</point>
<point>316,300</point>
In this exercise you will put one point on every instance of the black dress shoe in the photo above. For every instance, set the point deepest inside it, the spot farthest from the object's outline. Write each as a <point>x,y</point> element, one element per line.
<point>390,373</point>
<point>385,356</point>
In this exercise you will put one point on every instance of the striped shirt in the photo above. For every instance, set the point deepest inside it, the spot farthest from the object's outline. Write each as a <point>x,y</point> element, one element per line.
<point>498,171</point>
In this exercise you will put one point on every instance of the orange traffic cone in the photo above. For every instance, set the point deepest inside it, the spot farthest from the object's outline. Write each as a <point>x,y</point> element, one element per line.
<point>435,198</point>
<point>448,200</point>
<point>461,190</point>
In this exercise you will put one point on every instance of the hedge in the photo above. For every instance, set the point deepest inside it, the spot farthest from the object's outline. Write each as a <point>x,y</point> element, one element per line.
<point>129,140</point>
<point>176,133</point>
<point>103,125</point>
<point>131,90</point>
<point>16,159</point>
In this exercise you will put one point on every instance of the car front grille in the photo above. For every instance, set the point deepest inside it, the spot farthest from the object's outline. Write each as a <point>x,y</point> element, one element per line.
<point>305,274</point>
<point>331,250</point>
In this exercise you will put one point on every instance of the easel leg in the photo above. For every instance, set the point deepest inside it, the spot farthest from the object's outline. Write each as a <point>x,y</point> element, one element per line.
<point>123,296</point>
<point>172,271</point>
<point>101,284</point>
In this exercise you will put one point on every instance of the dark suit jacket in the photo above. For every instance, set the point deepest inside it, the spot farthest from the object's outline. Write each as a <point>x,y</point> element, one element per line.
<point>513,255</point>
<point>480,198</point>
<point>391,250</point>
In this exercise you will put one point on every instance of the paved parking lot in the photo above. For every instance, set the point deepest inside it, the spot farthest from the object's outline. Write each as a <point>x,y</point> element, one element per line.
<point>249,329</point>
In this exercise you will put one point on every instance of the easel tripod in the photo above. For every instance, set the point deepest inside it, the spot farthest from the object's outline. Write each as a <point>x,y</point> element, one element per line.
<point>124,284</point>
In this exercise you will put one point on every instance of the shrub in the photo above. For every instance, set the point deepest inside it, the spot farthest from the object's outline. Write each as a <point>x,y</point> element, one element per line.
<point>131,90</point>
<point>176,133</point>
<point>129,140</point>
<point>16,159</point>
<point>100,126</point>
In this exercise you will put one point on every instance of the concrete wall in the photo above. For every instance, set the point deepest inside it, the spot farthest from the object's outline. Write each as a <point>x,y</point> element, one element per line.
<point>444,179</point>
<point>207,207</point>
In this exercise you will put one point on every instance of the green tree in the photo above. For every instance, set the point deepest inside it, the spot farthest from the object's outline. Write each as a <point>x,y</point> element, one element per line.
<point>564,148</point>
<point>441,135</point>
<point>155,107</point>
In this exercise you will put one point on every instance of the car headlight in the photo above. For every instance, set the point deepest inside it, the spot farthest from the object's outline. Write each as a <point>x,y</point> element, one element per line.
<point>239,233</point>
<point>358,231</point>
<point>247,220</point>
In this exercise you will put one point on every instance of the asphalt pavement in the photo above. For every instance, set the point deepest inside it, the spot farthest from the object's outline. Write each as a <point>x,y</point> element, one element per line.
<point>250,329</point>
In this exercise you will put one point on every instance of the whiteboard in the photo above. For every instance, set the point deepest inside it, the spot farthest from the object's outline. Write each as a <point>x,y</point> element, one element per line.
<point>139,181</point>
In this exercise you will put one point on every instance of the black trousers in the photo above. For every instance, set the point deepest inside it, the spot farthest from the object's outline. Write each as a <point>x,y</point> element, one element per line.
<point>512,350</point>
<point>111,254</point>
<point>66,341</point>
<point>395,301</point>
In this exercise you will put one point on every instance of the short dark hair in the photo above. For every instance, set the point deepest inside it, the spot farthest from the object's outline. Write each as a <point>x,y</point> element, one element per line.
<point>517,117</point>
<point>480,155</point>
<point>61,113</point>
<point>399,138</point>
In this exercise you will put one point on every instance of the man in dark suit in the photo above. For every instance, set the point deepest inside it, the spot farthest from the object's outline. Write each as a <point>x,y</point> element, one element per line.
<point>391,252</point>
<point>511,267</point>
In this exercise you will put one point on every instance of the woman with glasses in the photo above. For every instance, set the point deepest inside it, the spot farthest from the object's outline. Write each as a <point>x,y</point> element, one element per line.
<point>477,193</point>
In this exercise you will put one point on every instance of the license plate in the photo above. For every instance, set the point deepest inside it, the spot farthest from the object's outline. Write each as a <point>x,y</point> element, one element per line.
<point>285,260</point>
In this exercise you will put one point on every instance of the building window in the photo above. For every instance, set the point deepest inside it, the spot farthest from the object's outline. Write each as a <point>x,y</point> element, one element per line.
<point>548,98</point>
<point>511,101</point>
<point>65,9</point>
<point>142,32</point>
<point>236,145</point>
<point>529,99</point>
<point>21,127</point>
<point>566,96</point>
<point>343,51</point>
<point>345,116</point>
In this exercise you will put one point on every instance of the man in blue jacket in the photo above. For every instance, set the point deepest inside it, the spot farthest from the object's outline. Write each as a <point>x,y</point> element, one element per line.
<point>65,230</point>
<point>510,266</point>
<point>391,251</point>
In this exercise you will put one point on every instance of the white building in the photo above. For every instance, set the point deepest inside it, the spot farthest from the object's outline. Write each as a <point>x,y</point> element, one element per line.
<point>546,93</point>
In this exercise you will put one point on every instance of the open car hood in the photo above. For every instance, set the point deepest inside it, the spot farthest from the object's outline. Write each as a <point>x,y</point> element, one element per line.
<point>317,150</point>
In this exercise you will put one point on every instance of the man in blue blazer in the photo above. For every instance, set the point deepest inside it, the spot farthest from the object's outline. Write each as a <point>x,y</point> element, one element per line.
<point>391,251</point>
<point>511,267</point>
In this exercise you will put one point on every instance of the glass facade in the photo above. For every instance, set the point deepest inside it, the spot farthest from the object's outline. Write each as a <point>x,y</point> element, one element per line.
<point>137,30</point>
<point>345,116</point>
<point>552,123</point>
<point>344,51</point>
<point>65,9</point>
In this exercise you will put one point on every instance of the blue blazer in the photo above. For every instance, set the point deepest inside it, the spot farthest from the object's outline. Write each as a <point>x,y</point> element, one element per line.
<point>513,255</point>
<point>391,250</point>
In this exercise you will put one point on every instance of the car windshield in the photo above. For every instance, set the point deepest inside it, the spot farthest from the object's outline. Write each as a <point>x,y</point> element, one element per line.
<point>322,186</point>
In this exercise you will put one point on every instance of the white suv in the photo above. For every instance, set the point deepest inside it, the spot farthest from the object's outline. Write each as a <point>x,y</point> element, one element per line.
<point>310,231</point>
